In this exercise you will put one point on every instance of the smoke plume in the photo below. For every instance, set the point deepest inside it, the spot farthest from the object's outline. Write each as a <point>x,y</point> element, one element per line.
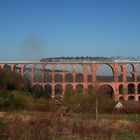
<point>34,48</point>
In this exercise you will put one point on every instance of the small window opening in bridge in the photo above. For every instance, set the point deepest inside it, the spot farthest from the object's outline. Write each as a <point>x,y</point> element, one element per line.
<point>27,68</point>
<point>138,88</point>
<point>79,78</point>
<point>37,91</point>
<point>68,68</point>
<point>48,78</point>
<point>130,77</point>
<point>131,98</point>
<point>69,78</point>
<point>7,67</point>
<point>38,68</point>
<point>68,91</point>
<point>138,68</point>
<point>138,77</point>
<point>38,73</point>
<point>58,68</point>
<point>90,90</point>
<point>89,78</point>
<point>89,68</point>
<point>58,78</point>
<point>79,88</point>
<point>121,90</point>
<point>130,68</point>
<point>48,91</point>
<point>47,68</point>
<point>104,73</point>
<point>58,90</point>
<point>17,68</point>
<point>120,69</point>
<point>120,77</point>
<point>79,68</point>
<point>131,89</point>
<point>27,77</point>
<point>48,74</point>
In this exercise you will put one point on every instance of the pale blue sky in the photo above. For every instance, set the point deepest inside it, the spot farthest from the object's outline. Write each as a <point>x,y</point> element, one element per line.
<point>32,29</point>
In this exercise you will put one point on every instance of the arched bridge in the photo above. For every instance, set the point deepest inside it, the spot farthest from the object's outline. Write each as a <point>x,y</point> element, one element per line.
<point>123,77</point>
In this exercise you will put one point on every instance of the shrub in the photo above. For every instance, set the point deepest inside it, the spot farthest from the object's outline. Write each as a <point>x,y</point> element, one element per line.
<point>86,103</point>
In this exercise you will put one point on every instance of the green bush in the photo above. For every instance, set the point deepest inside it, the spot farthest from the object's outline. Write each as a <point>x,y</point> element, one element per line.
<point>86,103</point>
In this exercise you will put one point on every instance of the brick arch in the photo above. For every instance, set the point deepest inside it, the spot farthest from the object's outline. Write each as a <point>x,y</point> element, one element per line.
<point>27,76</point>
<point>106,90</point>
<point>121,89</point>
<point>138,98</point>
<point>131,88</point>
<point>89,78</point>
<point>28,68</point>
<point>79,68</point>
<point>69,90</point>
<point>58,78</point>
<point>79,88</point>
<point>100,73</point>
<point>48,78</point>
<point>130,77</point>
<point>79,78</point>
<point>138,67</point>
<point>130,98</point>
<point>48,90</point>
<point>90,89</point>
<point>7,67</point>
<point>48,73</point>
<point>58,89</point>
<point>37,90</point>
<point>138,87</point>
<point>130,67</point>
<point>58,68</point>
<point>37,77</point>
<point>89,68</point>
<point>69,78</point>
<point>138,77</point>
<point>69,68</point>
<point>138,72</point>
<point>47,68</point>
<point>108,64</point>
<point>120,77</point>
<point>17,68</point>
<point>89,71</point>
<point>38,67</point>
<point>120,68</point>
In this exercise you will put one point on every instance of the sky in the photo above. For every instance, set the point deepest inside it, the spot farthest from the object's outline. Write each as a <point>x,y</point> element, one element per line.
<point>33,29</point>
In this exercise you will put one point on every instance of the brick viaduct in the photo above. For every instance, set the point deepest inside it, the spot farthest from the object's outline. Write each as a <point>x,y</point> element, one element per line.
<point>125,82</point>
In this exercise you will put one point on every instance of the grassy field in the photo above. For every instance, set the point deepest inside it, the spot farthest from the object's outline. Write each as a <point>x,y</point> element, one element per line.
<point>23,117</point>
<point>24,125</point>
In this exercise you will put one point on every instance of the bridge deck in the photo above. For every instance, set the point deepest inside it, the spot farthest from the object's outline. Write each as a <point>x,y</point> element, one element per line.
<point>65,62</point>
